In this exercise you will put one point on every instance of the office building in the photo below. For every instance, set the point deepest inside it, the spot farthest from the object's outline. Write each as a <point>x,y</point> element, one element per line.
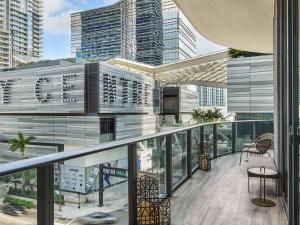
<point>180,37</point>
<point>212,96</point>
<point>149,31</point>
<point>104,33</point>
<point>20,31</point>
<point>128,29</point>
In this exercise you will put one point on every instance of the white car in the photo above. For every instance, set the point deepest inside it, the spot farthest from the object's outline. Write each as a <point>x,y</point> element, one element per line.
<point>98,218</point>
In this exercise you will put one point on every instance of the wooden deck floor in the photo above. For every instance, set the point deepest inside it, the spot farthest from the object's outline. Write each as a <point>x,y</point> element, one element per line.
<point>220,197</point>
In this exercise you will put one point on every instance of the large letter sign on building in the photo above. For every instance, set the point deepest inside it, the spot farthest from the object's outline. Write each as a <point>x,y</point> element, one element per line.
<point>67,87</point>
<point>5,87</point>
<point>38,90</point>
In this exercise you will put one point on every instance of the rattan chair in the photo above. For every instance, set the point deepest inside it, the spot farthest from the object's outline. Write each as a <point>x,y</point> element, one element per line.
<point>261,147</point>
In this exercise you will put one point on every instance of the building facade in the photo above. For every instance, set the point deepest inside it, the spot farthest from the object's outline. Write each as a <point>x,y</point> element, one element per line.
<point>251,87</point>
<point>75,104</point>
<point>20,31</point>
<point>212,96</point>
<point>180,37</point>
<point>104,33</point>
<point>154,32</point>
<point>130,29</point>
<point>149,32</point>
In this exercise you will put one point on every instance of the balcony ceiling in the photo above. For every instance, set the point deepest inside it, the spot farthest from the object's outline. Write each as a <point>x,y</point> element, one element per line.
<point>208,70</point>
<point>240,24</point>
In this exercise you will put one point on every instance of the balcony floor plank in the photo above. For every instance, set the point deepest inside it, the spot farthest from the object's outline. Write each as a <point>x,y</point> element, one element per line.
<point>220,197</point>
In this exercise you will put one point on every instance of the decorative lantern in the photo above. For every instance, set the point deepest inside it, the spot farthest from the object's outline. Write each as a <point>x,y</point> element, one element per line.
<point>204,158</point>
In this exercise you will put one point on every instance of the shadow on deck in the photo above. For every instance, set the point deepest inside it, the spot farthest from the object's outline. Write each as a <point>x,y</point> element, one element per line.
<point>220,197</point>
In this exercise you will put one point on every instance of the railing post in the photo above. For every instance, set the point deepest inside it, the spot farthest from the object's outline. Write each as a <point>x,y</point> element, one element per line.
<point>45,195</point>
<point>189,153</point>
<point>233,137</point>
<point>101,185</point>
<point>169,186</point>
<point>132,175</point>
<point>215,139</point>
<point>201,144</point>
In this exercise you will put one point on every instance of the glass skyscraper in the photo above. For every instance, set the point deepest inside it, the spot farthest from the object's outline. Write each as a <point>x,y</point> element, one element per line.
<point>104,33</point>
<point>149,32</point>
<point>180,37</point>
<point>130,29</point>
<point>20,31</point>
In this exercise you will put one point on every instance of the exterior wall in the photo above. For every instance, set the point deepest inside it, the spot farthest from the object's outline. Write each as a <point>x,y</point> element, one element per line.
<point>188,100</point>
<point>250,85</point>
<point>133,99</point>
<point>128,126</point>
<point>149,32</point>
<point>20,31</point>
<point>52,101</point>
<point>23,90</point>
<point>72,130</point>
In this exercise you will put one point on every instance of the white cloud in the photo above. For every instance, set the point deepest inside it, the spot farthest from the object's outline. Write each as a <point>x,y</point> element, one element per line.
<point>109,2</point>
<point>57,17</point>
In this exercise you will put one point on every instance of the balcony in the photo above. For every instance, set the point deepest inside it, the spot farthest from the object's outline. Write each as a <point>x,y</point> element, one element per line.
<point>65,194</point>
<point>221,197</point>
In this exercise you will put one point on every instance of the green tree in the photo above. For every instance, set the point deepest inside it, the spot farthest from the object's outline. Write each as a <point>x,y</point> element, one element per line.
<point>235,53</point>
<point>20,143</point>
<point>199,115</point>
<point>202,116</point>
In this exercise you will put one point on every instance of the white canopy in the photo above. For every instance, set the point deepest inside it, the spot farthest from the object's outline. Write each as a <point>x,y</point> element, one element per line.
<point>240,24</point>
<point>208,70</point>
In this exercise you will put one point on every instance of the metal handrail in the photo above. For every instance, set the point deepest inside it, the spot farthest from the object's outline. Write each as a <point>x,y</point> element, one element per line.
<point>40,161</point>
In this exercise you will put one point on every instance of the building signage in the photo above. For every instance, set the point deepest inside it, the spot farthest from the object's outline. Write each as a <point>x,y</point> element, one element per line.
<point>43,90</point>
<point>40,89</point>
<point>72,179</point>
<point>132,89</point>
<point>115,172</point>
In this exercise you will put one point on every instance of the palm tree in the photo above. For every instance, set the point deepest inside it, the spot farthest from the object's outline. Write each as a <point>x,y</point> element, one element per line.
<point>199,115</point>
<point>20,143</point>
<point>217,114</point>
<point>202,116</point>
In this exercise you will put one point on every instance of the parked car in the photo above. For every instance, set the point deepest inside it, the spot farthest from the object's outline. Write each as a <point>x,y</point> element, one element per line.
<point>13,210</point>
<point>98,218</point>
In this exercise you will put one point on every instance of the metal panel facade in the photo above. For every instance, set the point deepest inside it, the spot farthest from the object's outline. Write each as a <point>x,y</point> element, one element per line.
<point>250,84</point>
<point>49,89</point>
<point>122,91</point>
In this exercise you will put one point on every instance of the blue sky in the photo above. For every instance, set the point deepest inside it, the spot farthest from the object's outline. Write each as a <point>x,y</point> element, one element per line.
<point>56,38</point>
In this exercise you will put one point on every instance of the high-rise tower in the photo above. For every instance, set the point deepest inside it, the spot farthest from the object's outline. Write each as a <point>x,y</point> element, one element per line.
<point>20,31</point>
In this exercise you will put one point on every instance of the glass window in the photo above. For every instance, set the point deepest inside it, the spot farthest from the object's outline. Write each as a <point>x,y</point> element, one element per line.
<point>195,147</point>
<point>152,161</point>
<point>107,129</point>
<point>179,157</point>
<point>83,184</point>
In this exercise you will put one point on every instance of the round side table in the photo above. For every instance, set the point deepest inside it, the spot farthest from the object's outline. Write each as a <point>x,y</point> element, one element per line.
<point>262,173</point>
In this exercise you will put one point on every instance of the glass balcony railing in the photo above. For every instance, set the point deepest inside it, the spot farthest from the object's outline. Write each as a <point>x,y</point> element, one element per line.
<point>76,186</point>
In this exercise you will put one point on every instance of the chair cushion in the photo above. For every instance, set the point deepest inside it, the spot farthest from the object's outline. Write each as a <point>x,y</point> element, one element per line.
<point>258,161</point>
